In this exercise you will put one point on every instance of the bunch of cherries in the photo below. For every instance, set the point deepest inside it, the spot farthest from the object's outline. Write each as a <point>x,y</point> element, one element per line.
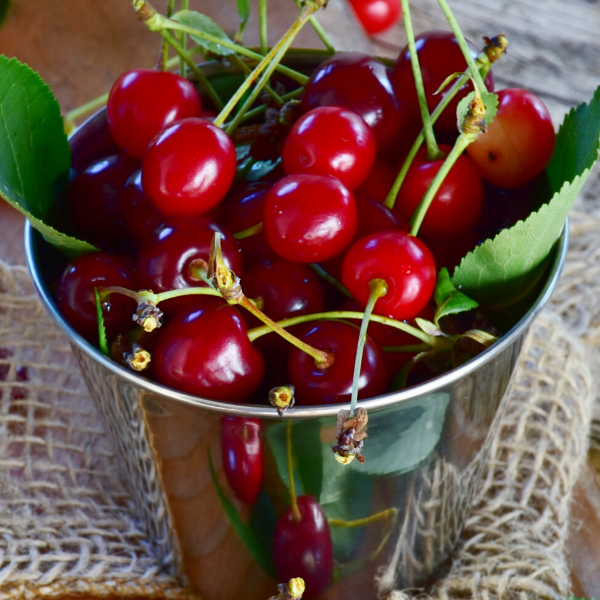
<point>312,235</point>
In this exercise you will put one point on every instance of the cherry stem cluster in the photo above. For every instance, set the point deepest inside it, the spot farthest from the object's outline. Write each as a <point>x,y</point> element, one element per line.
<point>377,288</point>
<point>433,151</point>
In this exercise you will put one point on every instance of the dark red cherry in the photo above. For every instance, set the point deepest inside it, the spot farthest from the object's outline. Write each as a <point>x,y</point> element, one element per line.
<point>206,351</point>
<point>287,289</point>
<point>242,456</point>
<point>402,261</point>
<point>457,204</point>
<point>139,216</point>
<point>244,208</point>
<point>93,199</point>
<point>439,57</point>
<point>519,142</point>
<point>379,182</point>
<point>188,167</point>
<point>77,301</point>
<point>173,254</point>
<point>304,548</point>
<point>333,385</point>
<point>309,218</point>
<point>144,101</point>
<point>360,83</point>
<point>330,140</point>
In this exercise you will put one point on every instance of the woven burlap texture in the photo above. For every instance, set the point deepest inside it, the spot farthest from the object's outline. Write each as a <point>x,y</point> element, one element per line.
<point>68,524</point>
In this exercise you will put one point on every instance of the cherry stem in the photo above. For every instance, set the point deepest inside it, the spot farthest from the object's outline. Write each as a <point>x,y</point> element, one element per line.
<point>433,151</point>
<point>164,53</point>
<point>330,279</point>
<point>249,232</point>
<point>484,66</point>
<point>202,79</point>
<point>417,219</point>
<point>268,65</point>
<point>88,107</point>
<point>244,68</point>
<point>319,31</point>
<point>185,4</point>
<point>261,109</point>
<point>149,296</point>
<point>388,513</point>
<point>460,38</point>
<point>296,516</point>
<point>430,340</point>
<point>262,26</point>
<point>378,289</point>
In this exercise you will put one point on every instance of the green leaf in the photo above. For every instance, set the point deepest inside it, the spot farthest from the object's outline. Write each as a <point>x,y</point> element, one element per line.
<point>34,152</point>
<point>243,7</point>
<point>502,271</point>
<point>102,342</point>
<point>491,106</point>
<point>261,168</point>
<point>204,24</point>
<point>243,531</point>
<point>4,6</point>
<point>448,299</point>
<point>306,448</point>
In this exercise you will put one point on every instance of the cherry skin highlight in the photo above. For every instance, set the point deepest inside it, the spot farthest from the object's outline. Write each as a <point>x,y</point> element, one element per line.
<point>402,261</point>
<point>457,204</point>
<point>205,351</point>
<point>377,16</point>
<point>242,456</point>
<point>333,385</point>
<point>519,142</point>
<point>188,168</point>
<point>309,218</point>
<point>144,101</point>
<point>330,140</point>
<point>304,549</point>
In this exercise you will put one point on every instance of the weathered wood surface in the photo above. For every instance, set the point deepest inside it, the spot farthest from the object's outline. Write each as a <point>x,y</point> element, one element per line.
<point>80,48</point>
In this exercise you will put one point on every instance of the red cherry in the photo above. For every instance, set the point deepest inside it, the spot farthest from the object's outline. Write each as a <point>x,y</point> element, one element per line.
<point>379,182</point>
<point>309,218</point>
<point>288,289</point>
<point>439,57</point>
<point>519,142</point>
<point>242,456</point>
<point>140,217</point>
<point>188,167</point>
<point>304,549</point>
<point>93,199</point>
<point>330,140</point>
<point>456,205</point>
<point>170,257</point>
<point>333,385</point>
<point>360,83</point>
<point>77,301</point>
<point>206,351</point>
<point>376,16</point>
<point>402,261</point>
<point>143,101</point>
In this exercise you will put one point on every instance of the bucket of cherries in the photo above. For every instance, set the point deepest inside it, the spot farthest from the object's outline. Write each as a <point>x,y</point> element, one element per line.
<point>296,311</point>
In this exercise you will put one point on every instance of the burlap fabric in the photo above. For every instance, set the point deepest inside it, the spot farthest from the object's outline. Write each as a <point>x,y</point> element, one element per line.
<point>67,524</point>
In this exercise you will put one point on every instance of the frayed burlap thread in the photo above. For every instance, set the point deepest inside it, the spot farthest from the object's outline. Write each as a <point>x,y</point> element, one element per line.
<point>67,524</point>
<point>513,544</point>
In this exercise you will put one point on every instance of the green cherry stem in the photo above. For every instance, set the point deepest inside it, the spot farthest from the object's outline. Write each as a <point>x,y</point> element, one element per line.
<point>88,107</point>
<point>244,68</point>
<point>484,62</point>
<point>262,26</point>
<point>430,340</point>
<point>433,151</point>
<point>249,232</point>
<point>388,513</point>
<point>296,517</point>
<point>330,279</point>
<point>460,38</point>
<point>266,67</point>
<point>185,4</point>
<point>148,296</point>
<point>319,31</point>
<point>189,61</point>
<point>164,54</point>
<point>378,289</point>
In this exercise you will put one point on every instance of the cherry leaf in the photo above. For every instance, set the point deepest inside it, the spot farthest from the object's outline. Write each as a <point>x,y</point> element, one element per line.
<point>504,269</point>
<point>102,341</point>
<point>448,299</point>
<point>34,151</point>
<point>243,7</point>
<point>204,24</point>
<point>491,106</point>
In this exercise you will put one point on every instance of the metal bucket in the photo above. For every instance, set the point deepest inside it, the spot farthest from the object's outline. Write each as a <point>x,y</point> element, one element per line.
<point>393,520</point>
